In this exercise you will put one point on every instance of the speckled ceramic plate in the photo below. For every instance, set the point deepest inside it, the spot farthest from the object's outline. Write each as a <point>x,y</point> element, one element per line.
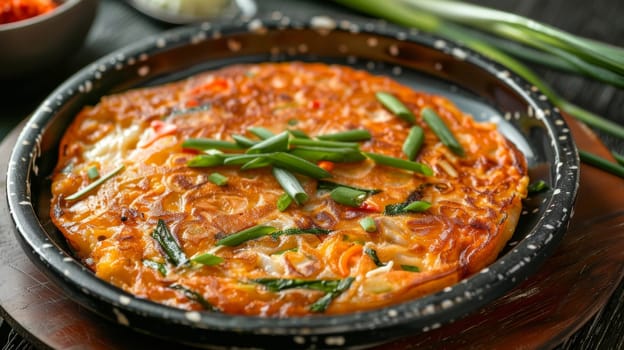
<point>477,85</point>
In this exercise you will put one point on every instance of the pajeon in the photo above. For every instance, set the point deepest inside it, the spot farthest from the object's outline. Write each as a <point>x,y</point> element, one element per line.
<point>284,189</point>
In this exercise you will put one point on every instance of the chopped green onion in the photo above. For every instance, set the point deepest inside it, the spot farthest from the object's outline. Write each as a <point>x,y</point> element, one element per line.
<point>328,186</point>
<point>417,206</point>
<point>348,196</point>
<point>368,224</point>
<point>283,202</point>
<point>395,106</point>
<point>299,231</point>
<point>322,304</point>
<point>161,268</point>
<point>259,162</point>
<point>322,143</point>
<point>537,187</point>
<point>194,296</point>
<point>291,185</point>
<point>93,173</point>
<point>279,284</point>
<point>260,132</point>
<point>243,141</point>
<point>441,130</point>
<point>618,157</point>
<point>404,208</point>
<point>171,248</point>
<point>207,259</point>
<point>206,160</point>
<point>602,163</point>
<point>67,169</point>
<point>346,136</point>
<point>294,249</point>
<point>413,142</point>
<point>299,134</point>
<point>277,143</point>
<point>292,122</point>
<point>337,155</point>
<point>400,163</point>
<point>205,144</point>
<point>298,165</point>
<point>246,235</point>
<point>240,159</point>
<point>410,268</point>
<point>218,179</point>
<point>373,255</point>
<point>94,184</point>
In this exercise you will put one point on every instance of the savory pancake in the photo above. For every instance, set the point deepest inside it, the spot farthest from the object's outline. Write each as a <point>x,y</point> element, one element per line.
<point>171,194</point>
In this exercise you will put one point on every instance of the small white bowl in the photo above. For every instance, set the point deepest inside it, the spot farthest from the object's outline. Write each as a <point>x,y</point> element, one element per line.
<point>31,45</point>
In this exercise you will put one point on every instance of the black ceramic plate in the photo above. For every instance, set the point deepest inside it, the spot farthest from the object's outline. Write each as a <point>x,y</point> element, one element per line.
<point>477,85</point>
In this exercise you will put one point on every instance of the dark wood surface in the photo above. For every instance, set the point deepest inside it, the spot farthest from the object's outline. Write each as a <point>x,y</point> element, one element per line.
<point>118,25</point>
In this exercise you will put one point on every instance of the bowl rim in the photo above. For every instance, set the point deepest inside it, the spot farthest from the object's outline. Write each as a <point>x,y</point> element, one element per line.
<point>63,7</point>
<point>428,311</point>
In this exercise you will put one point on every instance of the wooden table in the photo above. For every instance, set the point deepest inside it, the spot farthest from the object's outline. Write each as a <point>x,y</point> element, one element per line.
<point>118,25</point>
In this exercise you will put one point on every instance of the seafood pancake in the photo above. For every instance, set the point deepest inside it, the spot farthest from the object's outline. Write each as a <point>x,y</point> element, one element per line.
<point>238,191</point>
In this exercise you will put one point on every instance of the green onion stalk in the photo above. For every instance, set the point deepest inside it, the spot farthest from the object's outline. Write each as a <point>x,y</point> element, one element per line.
<point>446,18</point>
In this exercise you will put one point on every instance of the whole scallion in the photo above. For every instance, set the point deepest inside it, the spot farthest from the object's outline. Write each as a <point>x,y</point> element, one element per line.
<point>602,163</point>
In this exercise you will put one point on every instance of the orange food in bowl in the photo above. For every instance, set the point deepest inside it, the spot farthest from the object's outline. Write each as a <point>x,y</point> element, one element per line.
<point>18,10</point>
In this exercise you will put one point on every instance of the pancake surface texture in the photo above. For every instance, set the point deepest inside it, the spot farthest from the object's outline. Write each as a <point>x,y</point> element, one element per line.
<point>337,266</point>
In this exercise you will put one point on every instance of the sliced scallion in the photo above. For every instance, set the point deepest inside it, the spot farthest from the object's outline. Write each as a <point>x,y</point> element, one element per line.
<point>410,268</point>
<point>299,134</point>
<point>400,163</point>
<point>322,143</point>
<point>243,141</point>
<point>205,144</point>
<point>255,163</point>
<point>347,136</point>
<point>283,202</point>
<point>276,143</point>
<point>240,159</point>
<point>300,231</point>
<point>618,157</point>
<point>246,235</point>
<point>218,179</point>
<point>207,259</point>
<point>348,196</point>
<point>338,155</point>
<point>445,135</point>
<point>395,106</point>
<point>407,207</point>
<point>413,142</point>
<point>154,265</point>
<point>94,184</point>
<point>298,165</point>
<point>194,296</point>
<point>368,224</point>
<point>537,187</point>
<point>328,186</point>
<point>323,303</point>
<point>205,160</point>
<point>291,185</point>
<point>168,243</point>
<point>372,253</point>
<point>93,173</point>
<point>260,132</point>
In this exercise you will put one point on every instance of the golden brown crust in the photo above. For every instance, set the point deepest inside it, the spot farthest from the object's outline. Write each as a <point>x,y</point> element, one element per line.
<point>476,199</point>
